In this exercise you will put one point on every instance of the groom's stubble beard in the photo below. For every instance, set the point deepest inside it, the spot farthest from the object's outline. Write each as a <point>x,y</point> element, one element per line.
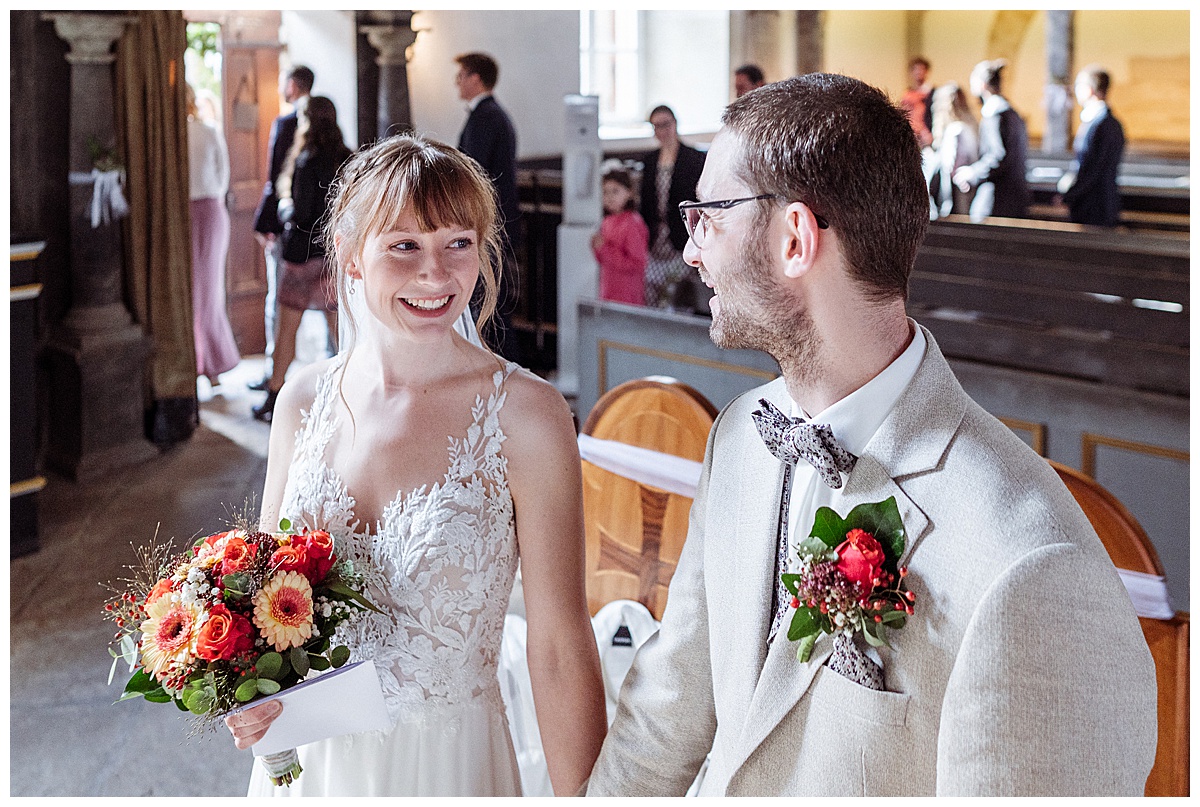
<point>760,314</point>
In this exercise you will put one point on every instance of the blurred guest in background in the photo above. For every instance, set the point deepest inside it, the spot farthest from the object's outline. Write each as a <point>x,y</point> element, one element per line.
<point>208,181</point>
<point>916,100</point>
<point>746,78</point>
<point>999,173</point>
<point>669,177</point>
<point>1090,189</point>
<point>620,243</point>
<point>956,143</point>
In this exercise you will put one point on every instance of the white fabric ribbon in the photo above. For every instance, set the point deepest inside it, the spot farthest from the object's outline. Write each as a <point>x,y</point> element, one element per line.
<point>108,203</point>
<point>1148,592</point>
<point>654,468</point>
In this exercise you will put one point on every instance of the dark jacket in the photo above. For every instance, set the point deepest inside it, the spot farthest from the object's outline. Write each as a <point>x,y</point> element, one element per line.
<point>1095,198</point>
<point>1003,145</point>
<point>491,140</point>
<point>311,179</point>
<point>688,165</point>
<point>283,132</point>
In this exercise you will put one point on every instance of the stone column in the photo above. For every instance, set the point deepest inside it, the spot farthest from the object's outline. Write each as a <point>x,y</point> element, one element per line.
<point>1058,96</point>
<point>392,40</point>
<point>96,354</point>
<point>810,42</point>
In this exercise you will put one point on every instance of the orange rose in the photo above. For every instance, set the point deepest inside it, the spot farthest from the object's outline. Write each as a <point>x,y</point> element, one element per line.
<point>860,560</point>
<point>160,588</point>
<point>224,635</point>
<point>238,555</point>
<point>319,546</point>
<point>211,542</point>
<point>290,558</point>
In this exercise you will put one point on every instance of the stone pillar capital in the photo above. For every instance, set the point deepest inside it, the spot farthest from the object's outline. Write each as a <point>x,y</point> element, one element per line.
<point>91,36</point>
<point>392,42</point>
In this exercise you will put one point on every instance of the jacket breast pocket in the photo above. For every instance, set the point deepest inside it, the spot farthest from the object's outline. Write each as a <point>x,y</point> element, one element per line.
<point>836,695</point>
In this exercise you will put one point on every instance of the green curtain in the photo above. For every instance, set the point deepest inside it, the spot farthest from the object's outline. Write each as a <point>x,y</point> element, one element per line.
<point>151,124</point>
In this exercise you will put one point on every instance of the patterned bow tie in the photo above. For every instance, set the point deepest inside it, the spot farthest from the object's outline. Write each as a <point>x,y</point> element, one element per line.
<point>792,439</point>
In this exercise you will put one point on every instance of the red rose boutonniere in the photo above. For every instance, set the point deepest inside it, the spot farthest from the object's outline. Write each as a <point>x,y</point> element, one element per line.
<point>848,579</point>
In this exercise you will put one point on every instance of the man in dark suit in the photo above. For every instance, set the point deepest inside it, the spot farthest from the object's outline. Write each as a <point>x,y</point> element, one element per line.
<point>490,138</point>
<point>1090,189</point>
<point>999,173</point>
<point>297,86</point>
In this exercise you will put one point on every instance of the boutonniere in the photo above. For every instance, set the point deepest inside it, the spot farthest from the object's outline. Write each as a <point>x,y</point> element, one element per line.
<point>848,579</point>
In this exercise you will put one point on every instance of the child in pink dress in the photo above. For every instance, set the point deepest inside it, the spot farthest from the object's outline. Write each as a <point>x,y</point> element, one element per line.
<point>621,243</point>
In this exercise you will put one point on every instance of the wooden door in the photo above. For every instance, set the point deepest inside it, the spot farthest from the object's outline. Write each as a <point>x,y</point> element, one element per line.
<point>250,49</point>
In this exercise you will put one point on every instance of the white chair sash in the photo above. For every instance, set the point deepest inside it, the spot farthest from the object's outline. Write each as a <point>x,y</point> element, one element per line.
<point>654,468</point>
<point>1148,593</point>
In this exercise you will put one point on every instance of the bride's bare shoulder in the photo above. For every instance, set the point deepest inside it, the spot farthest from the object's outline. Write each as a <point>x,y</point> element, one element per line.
<point>300,390</point>
<point>534,409</point>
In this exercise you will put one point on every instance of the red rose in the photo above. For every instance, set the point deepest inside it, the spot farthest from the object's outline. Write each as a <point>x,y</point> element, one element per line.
<point>160,588</point>
<point>238,555</point>
<point>290,558</point>
<point>224,635</point>
<point>319,546</point>
<point>860,560</point>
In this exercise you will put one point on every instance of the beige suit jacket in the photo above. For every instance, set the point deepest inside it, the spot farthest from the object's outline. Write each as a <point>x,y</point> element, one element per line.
<point>1023,670</point>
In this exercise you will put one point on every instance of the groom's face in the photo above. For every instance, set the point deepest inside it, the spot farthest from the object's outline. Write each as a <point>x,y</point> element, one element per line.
<point>736,259</point>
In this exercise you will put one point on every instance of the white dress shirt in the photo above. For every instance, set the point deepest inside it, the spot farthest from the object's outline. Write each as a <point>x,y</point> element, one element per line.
<point>854,421</point>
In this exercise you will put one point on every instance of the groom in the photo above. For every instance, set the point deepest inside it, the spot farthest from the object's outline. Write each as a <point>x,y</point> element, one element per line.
<point>1022,668</point>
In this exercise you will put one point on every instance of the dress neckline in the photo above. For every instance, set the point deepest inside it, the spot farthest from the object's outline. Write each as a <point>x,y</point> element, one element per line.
<point>323,409</point>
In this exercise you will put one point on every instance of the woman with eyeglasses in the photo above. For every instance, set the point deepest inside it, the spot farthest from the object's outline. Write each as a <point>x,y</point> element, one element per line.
<point>669,177</point>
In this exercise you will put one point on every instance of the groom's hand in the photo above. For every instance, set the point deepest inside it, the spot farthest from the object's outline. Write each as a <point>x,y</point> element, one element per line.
<point>248,727</point>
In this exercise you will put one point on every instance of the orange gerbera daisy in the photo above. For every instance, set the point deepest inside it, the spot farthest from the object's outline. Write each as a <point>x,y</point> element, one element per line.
<point>283,610</point>
<point>169,633</point>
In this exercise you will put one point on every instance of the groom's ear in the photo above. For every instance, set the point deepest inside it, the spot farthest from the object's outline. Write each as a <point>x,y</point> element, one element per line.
<point>801,237</point>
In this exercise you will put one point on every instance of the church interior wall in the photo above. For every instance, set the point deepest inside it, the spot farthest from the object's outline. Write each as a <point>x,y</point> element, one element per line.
<point>868,45</point>
<point>324,41</point>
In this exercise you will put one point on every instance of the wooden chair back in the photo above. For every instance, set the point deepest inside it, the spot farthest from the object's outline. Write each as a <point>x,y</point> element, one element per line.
<point>635,532</point>
<point>1130,548</point>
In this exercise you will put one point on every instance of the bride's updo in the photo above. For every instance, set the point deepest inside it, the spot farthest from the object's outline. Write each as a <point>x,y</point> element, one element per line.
<point>443,187</point>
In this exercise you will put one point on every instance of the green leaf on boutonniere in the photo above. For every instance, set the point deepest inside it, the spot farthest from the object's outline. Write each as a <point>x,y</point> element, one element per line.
<point>881,519</point>
<point>829,527</point>
<point>894,616</point>
<point>804,650</point>
<point>815,548</point>
<point>804,622</point>
<point>789,582</point>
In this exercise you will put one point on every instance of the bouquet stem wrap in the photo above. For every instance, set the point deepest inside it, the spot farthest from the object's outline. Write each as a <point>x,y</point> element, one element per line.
<point>283,768</point>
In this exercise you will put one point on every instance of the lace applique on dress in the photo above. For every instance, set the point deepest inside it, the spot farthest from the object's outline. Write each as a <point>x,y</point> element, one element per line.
<point>440,563</point>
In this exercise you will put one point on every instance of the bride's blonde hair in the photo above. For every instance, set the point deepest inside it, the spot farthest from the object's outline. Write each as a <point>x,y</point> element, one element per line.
<point>442,186</point>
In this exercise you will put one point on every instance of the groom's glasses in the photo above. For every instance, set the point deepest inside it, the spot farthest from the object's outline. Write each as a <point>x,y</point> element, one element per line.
<point>696,220</point>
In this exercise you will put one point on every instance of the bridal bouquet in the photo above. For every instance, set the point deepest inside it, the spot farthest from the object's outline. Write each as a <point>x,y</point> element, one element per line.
<point>241,615</point>
<point>848,579</point>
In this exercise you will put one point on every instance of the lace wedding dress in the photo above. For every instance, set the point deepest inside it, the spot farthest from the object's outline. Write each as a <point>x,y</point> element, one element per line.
<point>440,564</point>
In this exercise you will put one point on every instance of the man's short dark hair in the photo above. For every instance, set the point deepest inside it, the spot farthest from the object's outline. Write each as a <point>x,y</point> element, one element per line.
<point>918,60</point>
<point>662,108</point>
<point>989,72</point>
<point>1097,78</point>
<point>303,77</point>
<point>481,65</point>
<point>752,72</point>
<point>841,147</point>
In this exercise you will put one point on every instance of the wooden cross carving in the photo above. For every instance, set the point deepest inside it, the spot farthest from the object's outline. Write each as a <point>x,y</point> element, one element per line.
<point>650,570</point>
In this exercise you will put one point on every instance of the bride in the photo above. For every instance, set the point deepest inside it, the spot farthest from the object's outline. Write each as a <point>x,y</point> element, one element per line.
<point>436,466</point>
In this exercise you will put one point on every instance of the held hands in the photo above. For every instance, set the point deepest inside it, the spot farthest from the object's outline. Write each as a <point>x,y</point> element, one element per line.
<point>597,240</point>
<point>963,177</point>
<point>249,726</point>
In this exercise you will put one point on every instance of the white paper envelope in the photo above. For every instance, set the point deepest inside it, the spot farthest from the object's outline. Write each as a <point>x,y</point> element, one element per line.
<point>347,700</point>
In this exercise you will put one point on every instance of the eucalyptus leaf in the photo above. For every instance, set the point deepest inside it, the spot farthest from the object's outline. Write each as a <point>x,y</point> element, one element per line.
<point>269,665</point>
<point>804,651</point>
<point>894,616</point>
<point>339,655</point>
<point>129,651</point>
<point>789,582</point>
<point>829,527</point>
<point>814,548</point>
<point>871,638</point>
<point>246,690</point>
<point>267,687</point>
<point>201,703</point>
<point>236,584</point>
<point>804,622</point>
<point>299,659</point>
<point>338,587</point>
<point>318,663</point>
<point>112,671</point>
<point>285,525</point>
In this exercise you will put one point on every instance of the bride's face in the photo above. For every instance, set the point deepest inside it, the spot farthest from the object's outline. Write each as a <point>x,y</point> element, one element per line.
<point>418,282</point>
